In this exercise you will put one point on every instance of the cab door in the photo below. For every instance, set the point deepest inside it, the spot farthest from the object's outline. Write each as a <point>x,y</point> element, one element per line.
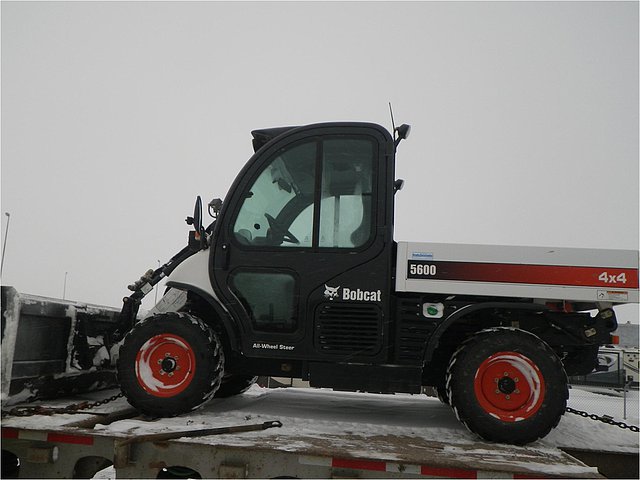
<point>303,251</point>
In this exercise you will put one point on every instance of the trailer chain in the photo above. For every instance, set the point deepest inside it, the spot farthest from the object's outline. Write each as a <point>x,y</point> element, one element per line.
<point>604,418</point>
<point>73,408</point>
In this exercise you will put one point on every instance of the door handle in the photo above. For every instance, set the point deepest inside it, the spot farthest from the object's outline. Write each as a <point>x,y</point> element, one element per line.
<point>225,256</point>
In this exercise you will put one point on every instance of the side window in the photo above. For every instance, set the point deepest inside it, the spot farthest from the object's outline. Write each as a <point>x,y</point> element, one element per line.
<point>276,209</point>
<point>269,299</point>
<point>346,202</point>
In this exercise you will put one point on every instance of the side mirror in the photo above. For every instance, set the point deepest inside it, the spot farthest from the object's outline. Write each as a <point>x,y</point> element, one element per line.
<point>402,132</point>
<point>397,185</point>
<point>198,234</point>
<point>197,215</point>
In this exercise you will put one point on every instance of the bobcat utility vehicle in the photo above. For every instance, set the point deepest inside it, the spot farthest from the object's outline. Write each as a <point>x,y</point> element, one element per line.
<point>299,276</point>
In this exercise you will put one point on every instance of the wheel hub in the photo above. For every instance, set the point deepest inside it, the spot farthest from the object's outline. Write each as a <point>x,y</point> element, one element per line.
<point>169,364</point>
<point>506,385</point>
<point>509,386</point>
<point>165,365</point>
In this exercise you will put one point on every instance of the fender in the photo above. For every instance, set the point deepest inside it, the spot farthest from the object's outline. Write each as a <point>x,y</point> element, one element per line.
<point>192,275</point>
<point>466,310</point>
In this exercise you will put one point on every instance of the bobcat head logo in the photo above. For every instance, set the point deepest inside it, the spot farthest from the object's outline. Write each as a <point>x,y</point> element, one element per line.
<point>330,292</point>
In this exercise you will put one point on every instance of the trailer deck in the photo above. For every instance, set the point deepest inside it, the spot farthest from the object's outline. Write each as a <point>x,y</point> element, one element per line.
<point>323,434</point>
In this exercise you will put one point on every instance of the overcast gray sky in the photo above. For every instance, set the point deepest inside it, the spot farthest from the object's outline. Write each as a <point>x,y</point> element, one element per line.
<point>116,115</point>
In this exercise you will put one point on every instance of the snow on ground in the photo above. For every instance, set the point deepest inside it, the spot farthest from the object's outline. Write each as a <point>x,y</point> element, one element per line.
<point>315,413</point>
<point>108,473</point>
<point>402,428</point>
<point>320,413</point>
<point>577,432</point>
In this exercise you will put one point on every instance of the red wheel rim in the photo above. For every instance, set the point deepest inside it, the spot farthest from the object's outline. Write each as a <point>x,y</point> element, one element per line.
<point>165,365</point>
<point>509,386</point>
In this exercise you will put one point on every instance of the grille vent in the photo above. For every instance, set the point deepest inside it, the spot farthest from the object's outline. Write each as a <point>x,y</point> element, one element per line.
<point>413,331</point>
<point>345,329</point>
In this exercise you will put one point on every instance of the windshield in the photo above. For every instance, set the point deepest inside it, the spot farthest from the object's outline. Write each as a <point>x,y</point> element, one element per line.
<point>279,208</point>
<point>282,191</point>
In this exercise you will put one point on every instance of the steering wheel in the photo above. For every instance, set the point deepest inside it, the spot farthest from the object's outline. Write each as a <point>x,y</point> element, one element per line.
<point>280,232</point>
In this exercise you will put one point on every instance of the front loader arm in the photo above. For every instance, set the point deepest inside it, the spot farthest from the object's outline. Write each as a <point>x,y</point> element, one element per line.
<point>145,284</point>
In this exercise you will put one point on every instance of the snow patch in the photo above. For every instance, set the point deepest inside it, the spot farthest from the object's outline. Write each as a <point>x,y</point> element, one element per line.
<point>72,362</point>
<point>114,352</point>
<point>7,350</point>
<point>22,396</point>
<point>108,473</point>
<point>101,357</point>
<point>575,431</point>
<point>95,341</point>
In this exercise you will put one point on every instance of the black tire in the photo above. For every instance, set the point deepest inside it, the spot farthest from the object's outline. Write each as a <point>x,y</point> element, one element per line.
<point>169,364</point>
<point>507,385</point>
<point>442,393</point>
<point>234,385</point>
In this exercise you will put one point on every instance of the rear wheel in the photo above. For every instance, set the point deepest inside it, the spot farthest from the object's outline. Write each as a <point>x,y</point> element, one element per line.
<point>507,385</point>
<point>170,364</point>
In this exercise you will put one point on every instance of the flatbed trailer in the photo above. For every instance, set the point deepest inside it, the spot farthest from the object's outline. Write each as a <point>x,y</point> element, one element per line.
<point>324,434</point>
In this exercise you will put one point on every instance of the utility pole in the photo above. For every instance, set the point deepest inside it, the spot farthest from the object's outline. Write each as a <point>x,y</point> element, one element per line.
<point>4,244</point>
<point>64,288</point>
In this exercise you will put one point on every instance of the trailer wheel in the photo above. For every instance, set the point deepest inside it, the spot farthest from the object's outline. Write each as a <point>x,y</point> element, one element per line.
<point>507,385</point>
<point>234,385</point>
<point>170,364</point>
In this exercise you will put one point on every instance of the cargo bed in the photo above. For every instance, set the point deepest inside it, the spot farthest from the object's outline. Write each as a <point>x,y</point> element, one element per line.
<point>540,273</point>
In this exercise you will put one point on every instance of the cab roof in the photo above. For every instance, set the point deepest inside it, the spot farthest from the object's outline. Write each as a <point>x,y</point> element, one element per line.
<point>264,135</point>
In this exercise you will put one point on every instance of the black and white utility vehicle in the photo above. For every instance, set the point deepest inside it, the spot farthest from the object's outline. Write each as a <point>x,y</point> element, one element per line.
<point>299,276</point>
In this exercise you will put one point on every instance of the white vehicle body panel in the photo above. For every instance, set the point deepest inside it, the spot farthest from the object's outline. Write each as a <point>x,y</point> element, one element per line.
<point>193,272</point>
<point>573,274</point>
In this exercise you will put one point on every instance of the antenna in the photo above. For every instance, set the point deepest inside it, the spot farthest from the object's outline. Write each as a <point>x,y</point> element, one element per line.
<point>393,124</point>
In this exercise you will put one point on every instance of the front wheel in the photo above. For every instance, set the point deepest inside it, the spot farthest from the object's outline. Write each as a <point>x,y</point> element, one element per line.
<point>235,385</point>
<point>507,385</point>
<point>170,364</point>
